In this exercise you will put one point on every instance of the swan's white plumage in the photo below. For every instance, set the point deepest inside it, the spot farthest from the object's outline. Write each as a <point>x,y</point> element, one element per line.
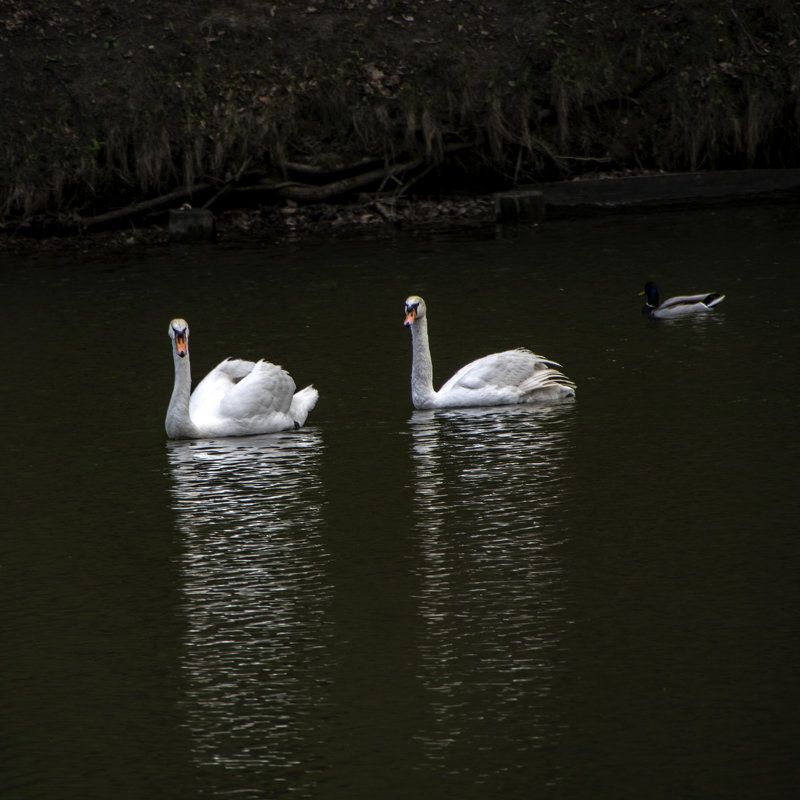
<point>508,378</point>
<point>237,398</point>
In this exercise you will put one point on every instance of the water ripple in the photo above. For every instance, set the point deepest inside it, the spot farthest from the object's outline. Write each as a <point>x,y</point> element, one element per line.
<point>489,484</point>
<point>255,593</point>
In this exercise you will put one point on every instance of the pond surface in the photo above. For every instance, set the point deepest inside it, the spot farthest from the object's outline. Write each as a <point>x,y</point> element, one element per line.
<point>597,600</point>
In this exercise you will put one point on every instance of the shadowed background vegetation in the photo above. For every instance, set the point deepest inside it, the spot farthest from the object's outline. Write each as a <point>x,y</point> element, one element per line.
<point>106,104</point>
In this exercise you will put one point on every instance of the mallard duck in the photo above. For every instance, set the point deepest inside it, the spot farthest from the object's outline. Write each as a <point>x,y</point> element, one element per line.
<point>677,306</point>
<point>507,378</point>
<point>237,398</point>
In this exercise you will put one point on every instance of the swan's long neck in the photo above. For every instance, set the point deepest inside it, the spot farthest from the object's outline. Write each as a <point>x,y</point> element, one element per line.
<point>179,423</point>
<point>422,392</point>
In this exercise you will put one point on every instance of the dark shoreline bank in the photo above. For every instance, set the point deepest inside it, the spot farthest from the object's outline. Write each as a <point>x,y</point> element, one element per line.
<point>605,196</point>
<point>116,106</point>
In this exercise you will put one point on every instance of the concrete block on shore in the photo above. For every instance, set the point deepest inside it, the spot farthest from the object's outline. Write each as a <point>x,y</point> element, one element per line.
<point>519,206</point>
<point>192,225</point>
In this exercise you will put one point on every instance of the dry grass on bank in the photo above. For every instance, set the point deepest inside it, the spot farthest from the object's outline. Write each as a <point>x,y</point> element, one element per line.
<point>108,104</point>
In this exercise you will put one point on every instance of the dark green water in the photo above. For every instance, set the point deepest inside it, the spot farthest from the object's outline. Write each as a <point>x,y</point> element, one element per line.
<point>595,601</point>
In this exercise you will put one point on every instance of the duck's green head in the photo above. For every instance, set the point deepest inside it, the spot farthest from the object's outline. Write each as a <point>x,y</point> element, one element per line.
<point>651,292</point>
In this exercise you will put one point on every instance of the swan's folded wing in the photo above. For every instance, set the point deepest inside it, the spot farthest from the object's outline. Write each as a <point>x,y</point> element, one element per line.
<point>235,368</point>
<point>509,368</point>
<point>209,393</point>
<point>266,389</point>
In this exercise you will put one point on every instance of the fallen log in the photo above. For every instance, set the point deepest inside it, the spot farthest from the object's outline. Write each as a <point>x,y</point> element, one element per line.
<point>306,193</point>
<point>290,190</point>
<point>156,204</point>
<point>207,195</point>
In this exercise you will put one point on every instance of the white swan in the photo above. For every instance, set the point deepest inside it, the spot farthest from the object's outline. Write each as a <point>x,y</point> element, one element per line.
<point>237,398</point>
<point>677,306</point>
<point>508,378</point>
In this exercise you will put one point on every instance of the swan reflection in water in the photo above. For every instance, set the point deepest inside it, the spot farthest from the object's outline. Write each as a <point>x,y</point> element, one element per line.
<point>255,593</point>
<point>489,495</point>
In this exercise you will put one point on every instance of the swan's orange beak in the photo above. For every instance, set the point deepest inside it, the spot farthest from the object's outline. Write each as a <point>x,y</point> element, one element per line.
<point>411,315</point>
<point>181,347</point>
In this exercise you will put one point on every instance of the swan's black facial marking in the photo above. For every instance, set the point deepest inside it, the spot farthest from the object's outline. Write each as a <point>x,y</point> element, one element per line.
<point>411,313</point>
<point>181,342</point>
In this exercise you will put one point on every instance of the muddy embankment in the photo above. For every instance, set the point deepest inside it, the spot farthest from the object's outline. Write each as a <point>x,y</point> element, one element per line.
<point>341,113</point>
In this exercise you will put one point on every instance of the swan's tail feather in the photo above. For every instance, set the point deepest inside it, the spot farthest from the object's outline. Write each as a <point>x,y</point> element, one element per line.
<point>712,299</point>
<point>547,385</point>
<point>302,403</point>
